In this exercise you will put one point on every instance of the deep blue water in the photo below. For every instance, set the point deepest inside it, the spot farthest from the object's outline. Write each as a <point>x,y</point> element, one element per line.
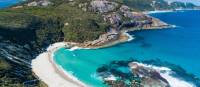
<point>179,46</point>
<point>6,3</point>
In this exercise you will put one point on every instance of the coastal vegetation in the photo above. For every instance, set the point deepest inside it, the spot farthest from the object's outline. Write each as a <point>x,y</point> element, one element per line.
<point>81,25</point>
<point>27,28</point>
<point>63,20</point>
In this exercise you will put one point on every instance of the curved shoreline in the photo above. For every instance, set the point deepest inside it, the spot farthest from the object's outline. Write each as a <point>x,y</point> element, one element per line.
<point>45,68</point>
<point>50,73</point>
<point>53,75</point>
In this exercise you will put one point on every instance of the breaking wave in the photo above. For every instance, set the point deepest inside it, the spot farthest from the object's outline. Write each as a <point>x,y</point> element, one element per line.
<point>167,74</point>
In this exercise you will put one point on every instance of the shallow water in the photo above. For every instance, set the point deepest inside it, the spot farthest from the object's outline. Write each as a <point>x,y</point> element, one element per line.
<point>176,45</point>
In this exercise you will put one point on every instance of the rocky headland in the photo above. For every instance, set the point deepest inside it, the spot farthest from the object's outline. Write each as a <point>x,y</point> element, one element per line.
<point>121,20</point>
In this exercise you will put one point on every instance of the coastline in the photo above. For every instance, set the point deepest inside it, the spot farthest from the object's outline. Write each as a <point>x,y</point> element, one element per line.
<point>50,73</point>
<point>45,68</point>
<point>55,76</point>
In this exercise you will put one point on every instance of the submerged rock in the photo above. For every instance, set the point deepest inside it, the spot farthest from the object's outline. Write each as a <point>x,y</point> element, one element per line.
<point>148,75</point>
<point>145,74</point>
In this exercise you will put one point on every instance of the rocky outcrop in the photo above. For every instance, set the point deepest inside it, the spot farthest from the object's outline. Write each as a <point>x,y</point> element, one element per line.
<point>134,75</point>
<point>148,75</point>
<point>19,58</point>
<point>137,21</point>
<point>102,6</point>
<point>40,3</point>
<point>152,73</point>
<point>102,40</point>
<point>114,19</point>
<point>16,53</point>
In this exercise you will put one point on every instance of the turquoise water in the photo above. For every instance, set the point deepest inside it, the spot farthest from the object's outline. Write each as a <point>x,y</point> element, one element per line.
<point>6,3</point>
<point>176,45</point>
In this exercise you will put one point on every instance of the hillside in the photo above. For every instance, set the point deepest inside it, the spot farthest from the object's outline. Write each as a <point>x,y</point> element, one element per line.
<point>27,28</point>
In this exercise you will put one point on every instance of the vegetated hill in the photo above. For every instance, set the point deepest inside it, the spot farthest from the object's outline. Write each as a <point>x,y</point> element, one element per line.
<point>27,28</point>
<point>51,21</point>
<point>68,20</point>
<point>25,32</point>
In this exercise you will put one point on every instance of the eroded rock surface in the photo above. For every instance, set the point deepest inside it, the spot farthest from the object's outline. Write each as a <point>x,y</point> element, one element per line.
<point>145,74</point>
<point>102,6</point>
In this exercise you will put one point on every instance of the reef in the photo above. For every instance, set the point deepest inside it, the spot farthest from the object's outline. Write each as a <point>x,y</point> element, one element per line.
<point>153,73</point>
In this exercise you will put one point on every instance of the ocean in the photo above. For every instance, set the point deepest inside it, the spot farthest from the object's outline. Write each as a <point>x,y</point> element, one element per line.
<point>7,3</point>
<point>178,46</point>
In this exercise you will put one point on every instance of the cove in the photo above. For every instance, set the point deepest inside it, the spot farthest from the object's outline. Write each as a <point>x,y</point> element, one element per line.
<point>178,46</point>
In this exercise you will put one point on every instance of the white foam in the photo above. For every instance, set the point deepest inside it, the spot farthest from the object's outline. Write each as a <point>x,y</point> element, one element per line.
<point>110,78</point>
<point>130,38</point>
<point>95,76</point>
<point>173,81</point>
<point>56,46</point>
<point>158,11</point>
<point>174,26</point>
<point>74,48</point>
<point>77,48</point>
<point>154,67</point>
<point>195,2</point>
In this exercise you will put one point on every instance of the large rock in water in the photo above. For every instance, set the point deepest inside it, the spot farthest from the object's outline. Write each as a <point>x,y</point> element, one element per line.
<point>151,73</point>
<point>102,6</point>
<point>149,77</point>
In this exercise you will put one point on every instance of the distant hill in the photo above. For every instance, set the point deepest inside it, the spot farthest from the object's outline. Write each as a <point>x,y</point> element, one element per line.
<point>195,2</point>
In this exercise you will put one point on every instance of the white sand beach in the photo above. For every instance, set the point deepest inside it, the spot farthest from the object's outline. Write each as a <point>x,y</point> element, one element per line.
<point>53,75</point>
<point>50,73</point>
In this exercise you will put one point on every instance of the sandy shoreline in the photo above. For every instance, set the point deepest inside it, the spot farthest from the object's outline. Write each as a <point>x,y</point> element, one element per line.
<point>53,75</point>
<point>50,73</point>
